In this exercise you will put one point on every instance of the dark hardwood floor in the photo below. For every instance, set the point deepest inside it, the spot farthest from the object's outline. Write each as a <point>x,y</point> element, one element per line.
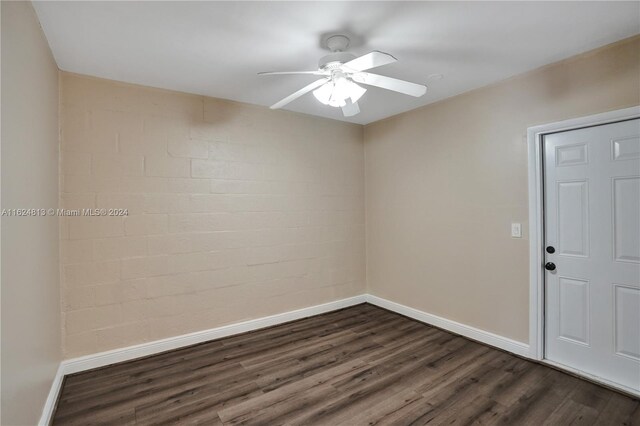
<point>358,366</point>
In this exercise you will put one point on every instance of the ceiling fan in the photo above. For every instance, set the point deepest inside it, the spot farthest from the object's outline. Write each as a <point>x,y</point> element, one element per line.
<point>341,72</point>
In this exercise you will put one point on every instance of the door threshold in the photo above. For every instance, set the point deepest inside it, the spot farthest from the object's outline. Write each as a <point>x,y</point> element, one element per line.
<point>627,391</point>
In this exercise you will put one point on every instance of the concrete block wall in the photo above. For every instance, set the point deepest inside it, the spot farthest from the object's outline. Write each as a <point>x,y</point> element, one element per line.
<point>234,212</point>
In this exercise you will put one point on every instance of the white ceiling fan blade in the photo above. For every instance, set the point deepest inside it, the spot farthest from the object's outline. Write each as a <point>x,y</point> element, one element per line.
<point>350,109</point>
<point>370,60</point>
<point>306,89</point>
<point>389,83</point>
<point>292,72</point>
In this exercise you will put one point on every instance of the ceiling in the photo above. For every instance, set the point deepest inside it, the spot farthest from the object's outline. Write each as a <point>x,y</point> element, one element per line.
<point>216,48</point>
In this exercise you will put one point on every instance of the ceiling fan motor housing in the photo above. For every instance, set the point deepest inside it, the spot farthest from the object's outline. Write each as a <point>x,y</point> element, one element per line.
<point>334,60</point>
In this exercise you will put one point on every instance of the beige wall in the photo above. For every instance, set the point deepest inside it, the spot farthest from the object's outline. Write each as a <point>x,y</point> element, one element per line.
<point>31,341</point>
<point>444,182</point>
<point>235,212</point>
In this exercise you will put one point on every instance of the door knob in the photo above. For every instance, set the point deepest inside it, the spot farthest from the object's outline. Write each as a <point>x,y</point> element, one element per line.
<point>550,266</point>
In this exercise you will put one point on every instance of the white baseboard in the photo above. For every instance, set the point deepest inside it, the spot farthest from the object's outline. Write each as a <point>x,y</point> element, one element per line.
<point>482,336</point>
<point>88,362</point>
<point>102,359</point>
<point>145,349</point>
<point>52,398</point>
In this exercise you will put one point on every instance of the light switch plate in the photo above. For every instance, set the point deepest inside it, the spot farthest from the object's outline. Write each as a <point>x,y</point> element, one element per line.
<point>516,230</point>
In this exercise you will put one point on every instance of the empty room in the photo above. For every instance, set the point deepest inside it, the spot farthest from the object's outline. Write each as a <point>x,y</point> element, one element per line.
<point>320,213</point>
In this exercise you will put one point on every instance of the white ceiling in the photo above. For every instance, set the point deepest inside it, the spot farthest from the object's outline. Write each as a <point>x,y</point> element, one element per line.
<point>216,48</point>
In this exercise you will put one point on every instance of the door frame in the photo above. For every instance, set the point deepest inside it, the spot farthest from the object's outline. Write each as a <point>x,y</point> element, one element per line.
<point>535,137</point>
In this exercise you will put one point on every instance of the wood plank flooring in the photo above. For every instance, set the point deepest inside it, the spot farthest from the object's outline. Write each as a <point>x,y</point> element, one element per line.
<point>358,366</point>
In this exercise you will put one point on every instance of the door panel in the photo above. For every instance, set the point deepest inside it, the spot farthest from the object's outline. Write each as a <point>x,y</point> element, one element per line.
<point>571,155</point>
<point>574,310</point>
<point>592,218</point>
<point>626,211</point>
<point>573,218</point>
<point>627,311</point>
<point>625,148</point>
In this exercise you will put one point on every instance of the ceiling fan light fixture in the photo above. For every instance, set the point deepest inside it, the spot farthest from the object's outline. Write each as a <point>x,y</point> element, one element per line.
<point>356,92</point>
<point>337,102</point>
<point>323,93</point>
<point>336,92</point>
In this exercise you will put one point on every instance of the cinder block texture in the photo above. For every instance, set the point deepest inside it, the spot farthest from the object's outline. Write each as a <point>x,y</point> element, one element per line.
<point>234,212</point>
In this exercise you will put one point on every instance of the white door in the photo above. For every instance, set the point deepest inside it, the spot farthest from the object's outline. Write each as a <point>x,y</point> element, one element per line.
<point>592,226</point>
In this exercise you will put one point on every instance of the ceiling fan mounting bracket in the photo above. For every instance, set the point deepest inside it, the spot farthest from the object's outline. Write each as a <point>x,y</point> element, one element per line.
<point>338,43</point>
